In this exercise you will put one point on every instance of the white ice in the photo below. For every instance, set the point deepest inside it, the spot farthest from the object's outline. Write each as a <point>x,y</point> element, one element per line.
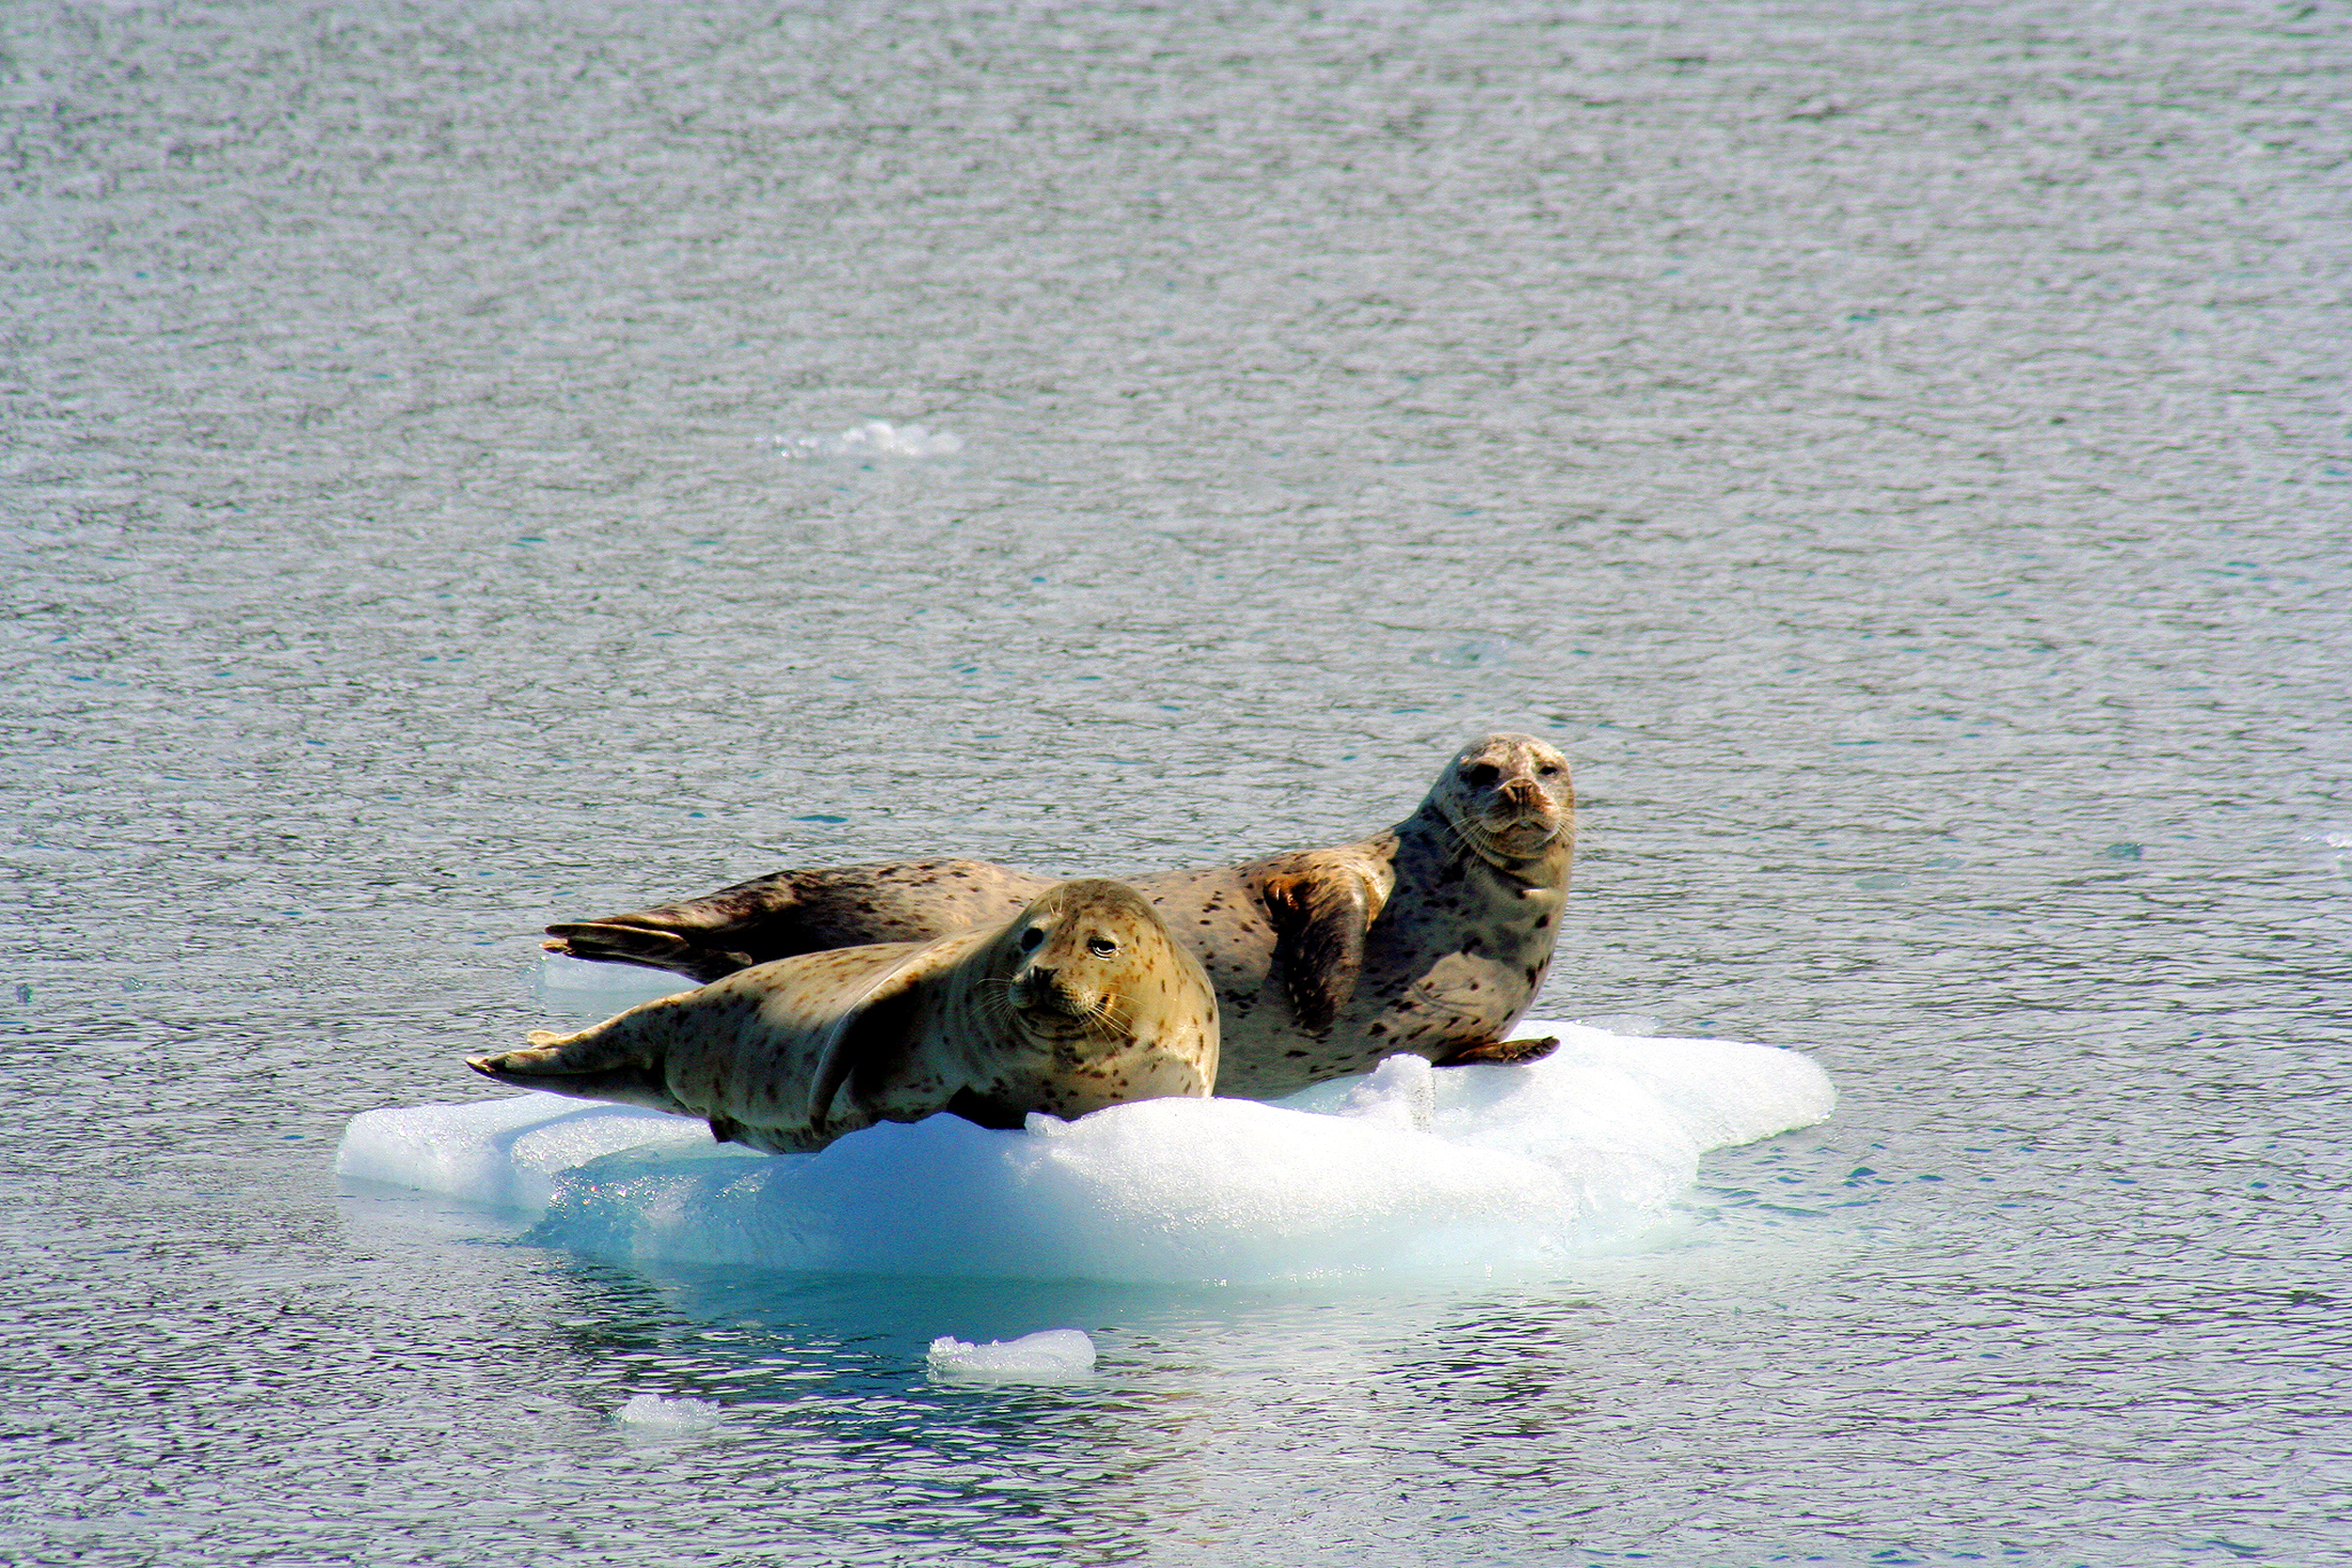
<point>1055,1356</point>
<point>651,1416</point>
<point>1402,1170</point>
<point>876,439</point>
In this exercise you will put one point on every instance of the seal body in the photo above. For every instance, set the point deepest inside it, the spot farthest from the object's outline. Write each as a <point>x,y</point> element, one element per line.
<point>1082,1000</point>
<point>1432,938</point>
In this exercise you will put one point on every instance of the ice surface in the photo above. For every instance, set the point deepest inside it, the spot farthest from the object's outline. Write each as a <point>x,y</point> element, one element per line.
<point>651,1416</point>
<point>1403,1169</point>
<point>875,439</point>
<point>1056,1356</point>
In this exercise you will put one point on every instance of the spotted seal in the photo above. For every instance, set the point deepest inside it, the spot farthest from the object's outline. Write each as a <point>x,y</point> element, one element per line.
<point>1431,937</point>
<point>1084,999</point>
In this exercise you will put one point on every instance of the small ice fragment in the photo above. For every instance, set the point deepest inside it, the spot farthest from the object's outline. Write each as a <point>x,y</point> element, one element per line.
<point>651,1416</point>
<point>876,437</point>
<point>1056,1356</point>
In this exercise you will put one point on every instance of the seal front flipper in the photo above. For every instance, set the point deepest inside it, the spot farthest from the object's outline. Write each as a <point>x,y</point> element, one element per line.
<point>1500,1052</point>
<point>869,1040</point>
<point>1320,916</point>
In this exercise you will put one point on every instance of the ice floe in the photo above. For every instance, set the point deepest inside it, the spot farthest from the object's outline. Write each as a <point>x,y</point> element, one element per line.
<point>1406,1169</point>
<point>650,1415</point>
<point>1055,1356</point>
<point>875,439</point>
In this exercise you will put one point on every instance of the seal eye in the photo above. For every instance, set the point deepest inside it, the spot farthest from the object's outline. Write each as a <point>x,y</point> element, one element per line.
<point>1549,770</point>
<point>1030,938</point>
<point>1482,775</point>
<point>1102,947</point>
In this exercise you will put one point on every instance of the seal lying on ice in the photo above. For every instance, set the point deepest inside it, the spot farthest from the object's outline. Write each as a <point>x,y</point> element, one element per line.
<point>1082,1000</point>
<point>1432,938</point>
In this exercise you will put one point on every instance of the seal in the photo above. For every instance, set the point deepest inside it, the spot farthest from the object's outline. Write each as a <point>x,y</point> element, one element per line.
<point>1431,937</point>
<point>1084,999</point>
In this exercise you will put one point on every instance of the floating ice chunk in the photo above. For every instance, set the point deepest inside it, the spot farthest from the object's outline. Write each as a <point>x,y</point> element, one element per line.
<point>653,1416</point>
<point>875,439</point>
<point>1056,1356</point>
<point>1400,1170</point>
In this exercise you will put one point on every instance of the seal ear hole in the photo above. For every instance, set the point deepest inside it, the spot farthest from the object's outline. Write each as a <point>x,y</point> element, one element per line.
<point>1102,947</point>
<point>1482,775</point>
<point>1030,938</point>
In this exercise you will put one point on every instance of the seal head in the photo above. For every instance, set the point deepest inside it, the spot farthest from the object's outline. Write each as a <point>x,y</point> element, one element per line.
<point>1110,1005</point>
<point>1506,799</point>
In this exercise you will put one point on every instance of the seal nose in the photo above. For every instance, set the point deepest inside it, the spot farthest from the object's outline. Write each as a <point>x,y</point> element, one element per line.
<point>1040,987</point>
<point>1523,792</point>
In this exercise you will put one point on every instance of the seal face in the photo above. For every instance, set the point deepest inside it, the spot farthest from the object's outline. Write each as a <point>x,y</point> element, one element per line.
<point>1083,1000</point>
<point>1431,937</point>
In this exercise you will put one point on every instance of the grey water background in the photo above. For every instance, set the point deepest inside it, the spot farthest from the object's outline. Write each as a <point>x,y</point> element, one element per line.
<point>1900,450</point>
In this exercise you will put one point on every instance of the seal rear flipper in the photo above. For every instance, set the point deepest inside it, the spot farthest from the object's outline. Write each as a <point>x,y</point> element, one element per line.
<point>623,1086</point>
<point>1320,917</point>
<point>618,942</point>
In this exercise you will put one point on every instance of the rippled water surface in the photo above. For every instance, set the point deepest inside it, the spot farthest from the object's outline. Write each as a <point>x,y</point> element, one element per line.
<point>1901,451</point>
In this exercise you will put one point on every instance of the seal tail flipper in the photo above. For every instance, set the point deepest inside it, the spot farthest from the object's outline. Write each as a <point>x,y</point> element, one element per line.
<point>617,942</point>
<point>602,1064</point>
<point>788,912</point>
<point>621,1087</point>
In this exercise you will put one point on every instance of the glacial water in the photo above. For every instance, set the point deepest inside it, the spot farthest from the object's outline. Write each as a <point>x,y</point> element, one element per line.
<point>464,466</point>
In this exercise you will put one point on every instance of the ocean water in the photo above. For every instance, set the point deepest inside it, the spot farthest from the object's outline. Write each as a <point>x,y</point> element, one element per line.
<point>464,467</point>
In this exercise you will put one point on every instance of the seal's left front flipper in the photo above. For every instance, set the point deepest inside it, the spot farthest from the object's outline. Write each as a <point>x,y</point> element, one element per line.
<point>1320,914</point>
<point>1501,1053</point>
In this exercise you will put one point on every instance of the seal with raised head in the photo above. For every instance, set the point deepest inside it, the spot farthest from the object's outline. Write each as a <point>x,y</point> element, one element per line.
<point>1082,1000</point>
<point>1432,937</point>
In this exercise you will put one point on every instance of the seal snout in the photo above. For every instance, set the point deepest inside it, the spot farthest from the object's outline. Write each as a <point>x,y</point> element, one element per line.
<point>1041,988</point>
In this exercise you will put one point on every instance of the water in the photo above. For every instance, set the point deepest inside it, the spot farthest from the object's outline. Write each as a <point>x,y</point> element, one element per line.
<point>1901,451</point>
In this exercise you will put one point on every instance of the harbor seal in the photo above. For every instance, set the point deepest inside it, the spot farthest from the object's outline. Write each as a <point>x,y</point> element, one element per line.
<point>1082,1000</point>
<point>1431,937</point>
